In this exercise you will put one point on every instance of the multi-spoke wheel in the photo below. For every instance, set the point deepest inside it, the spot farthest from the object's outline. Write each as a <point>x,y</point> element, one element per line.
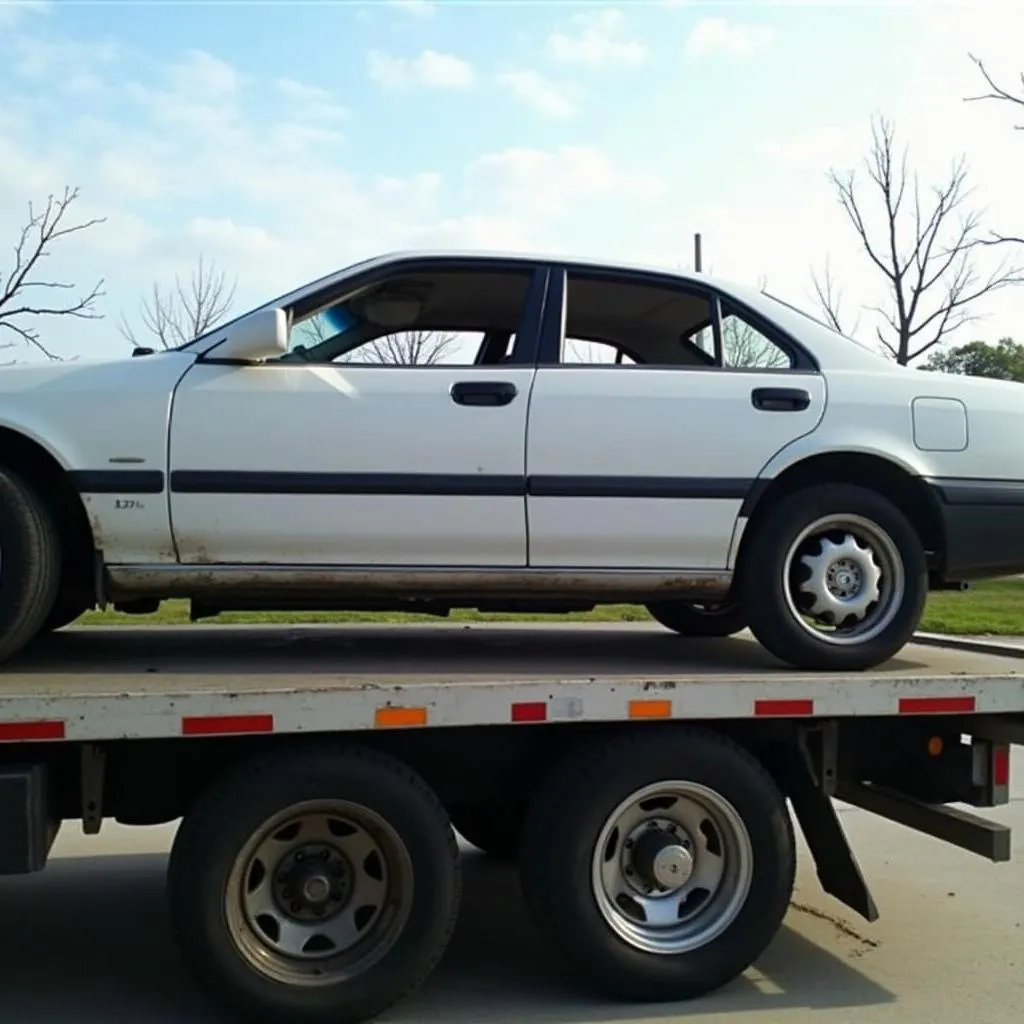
<point>314,886</point>
<point>660,862</point>
<point>700,618</point>
<point>834,577</point>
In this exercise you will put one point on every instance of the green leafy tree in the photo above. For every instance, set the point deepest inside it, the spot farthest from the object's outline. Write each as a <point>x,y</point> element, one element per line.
<point>1002,361</point>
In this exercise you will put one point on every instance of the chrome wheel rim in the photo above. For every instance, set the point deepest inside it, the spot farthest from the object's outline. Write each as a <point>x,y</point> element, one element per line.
<point>319,893</point>
<point>844,580</point>
<point>672,867</point>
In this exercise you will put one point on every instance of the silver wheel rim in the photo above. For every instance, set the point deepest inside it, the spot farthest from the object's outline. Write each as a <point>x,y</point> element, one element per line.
<point>844,580</point>
<point>319,893</point>
<point>672,867</point>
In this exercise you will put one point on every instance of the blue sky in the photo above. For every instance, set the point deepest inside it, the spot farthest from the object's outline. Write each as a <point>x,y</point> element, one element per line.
<point>283,140</point>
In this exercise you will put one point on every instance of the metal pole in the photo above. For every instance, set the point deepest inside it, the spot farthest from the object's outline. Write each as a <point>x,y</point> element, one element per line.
<point>697,252</point>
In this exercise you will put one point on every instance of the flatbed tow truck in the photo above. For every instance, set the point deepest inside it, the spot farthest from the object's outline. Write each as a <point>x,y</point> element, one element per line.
<point>642,782</point>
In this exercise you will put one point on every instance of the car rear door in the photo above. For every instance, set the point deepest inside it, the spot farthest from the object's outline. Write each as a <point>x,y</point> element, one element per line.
<point>646,464</point>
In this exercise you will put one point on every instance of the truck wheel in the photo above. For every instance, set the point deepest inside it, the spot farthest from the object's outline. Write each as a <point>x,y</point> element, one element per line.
<point>660,863</point>
<point>29,563</point>
<point>492,828</point>
<point>693,618</point>
<point>834,578</point>
<point>312,886</point>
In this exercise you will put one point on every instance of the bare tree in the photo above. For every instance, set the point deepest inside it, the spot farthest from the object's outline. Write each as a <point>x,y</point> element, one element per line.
<point>1002,94</point>
<point>406,348</point>
<point>186,311</point>
<point>830,300</point>
<point>18,304</point>
<point>925,246</point>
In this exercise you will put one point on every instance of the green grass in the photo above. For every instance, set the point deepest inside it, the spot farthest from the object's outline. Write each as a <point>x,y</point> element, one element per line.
<point>995,607</point>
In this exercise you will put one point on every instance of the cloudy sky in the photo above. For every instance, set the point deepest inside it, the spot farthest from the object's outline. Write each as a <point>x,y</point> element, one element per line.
<point>285,140</point>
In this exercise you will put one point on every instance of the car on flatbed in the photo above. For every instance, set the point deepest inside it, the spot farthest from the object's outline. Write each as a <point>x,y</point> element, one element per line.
<point>427,431</point>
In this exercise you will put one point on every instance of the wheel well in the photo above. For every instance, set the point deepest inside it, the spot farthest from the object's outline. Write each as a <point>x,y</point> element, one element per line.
<point>909,493</point>
<point>40,469</point>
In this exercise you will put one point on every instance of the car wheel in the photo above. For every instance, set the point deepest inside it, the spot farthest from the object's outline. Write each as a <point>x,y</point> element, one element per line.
<point>694,618</point>
<point>63,613</point>
<point>29,563</point>
<point>834,578</point>
<point>660,863</point>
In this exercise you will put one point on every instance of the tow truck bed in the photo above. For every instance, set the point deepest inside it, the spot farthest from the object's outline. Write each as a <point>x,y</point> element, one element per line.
<point>312,763</point>
<point>91,684</point>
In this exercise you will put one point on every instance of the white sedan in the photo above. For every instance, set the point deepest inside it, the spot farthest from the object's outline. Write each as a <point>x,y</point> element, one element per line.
<point>435,430</point>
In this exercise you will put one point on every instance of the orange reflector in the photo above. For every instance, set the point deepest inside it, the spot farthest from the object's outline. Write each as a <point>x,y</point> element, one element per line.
<point>650,709</point>
<point>935,746</point>
<point>396,718</point>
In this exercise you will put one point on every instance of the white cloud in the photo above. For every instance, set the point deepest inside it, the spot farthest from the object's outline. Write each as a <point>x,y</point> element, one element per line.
<point>311,102</point>
<point>430,68</point>
<point>420,8</point>
<point>14,11</point>
<point>599,39</point>
<point>552,99</point>
<point>719,36</point>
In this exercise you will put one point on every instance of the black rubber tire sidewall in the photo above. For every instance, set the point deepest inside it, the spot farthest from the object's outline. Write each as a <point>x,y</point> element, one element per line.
<point>565,820</point>
<point>683,618</point>
<point>222,821</point>
<point>761,578</point>
<point>30,552</point>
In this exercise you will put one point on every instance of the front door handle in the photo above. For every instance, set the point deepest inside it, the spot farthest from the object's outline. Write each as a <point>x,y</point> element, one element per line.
<point>780,399</point>
<point>483,392</point>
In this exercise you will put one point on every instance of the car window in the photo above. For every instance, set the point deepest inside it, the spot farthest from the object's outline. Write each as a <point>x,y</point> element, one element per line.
<point>450,317</point>
<point>637,322</point>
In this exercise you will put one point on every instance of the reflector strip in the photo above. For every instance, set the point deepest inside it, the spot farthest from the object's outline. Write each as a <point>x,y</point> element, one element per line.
<point>226,725</point>
<point>26,732</point>
<point>650,709</point>
<point>1001,765</point>
<point>399,718</point>
<point>530,711</point>
<point>783,708</point>
<point>936,705</point>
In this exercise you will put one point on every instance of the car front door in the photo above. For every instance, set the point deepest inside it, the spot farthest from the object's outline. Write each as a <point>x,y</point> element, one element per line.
<point>401,451</point>
<point>641,444</point>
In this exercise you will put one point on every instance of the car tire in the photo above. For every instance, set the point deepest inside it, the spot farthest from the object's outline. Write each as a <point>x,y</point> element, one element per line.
<point>374,837</point>
<point>697,619</point>
<point>63,613</point>
<point>829,549</point>
<point>30,559</point>
<point>494,829</point>
<point>575,844</point>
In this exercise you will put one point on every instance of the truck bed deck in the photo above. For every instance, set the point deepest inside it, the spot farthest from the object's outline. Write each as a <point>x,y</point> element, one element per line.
<point>106,683</point>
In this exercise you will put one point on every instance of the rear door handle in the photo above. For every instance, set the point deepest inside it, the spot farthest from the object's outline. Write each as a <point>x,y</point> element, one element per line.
<point>483,392</point>
<point>780,399</point>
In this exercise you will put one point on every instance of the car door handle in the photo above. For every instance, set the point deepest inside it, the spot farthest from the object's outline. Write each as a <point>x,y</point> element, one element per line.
<point>484,392</point>
<point>780,399</point>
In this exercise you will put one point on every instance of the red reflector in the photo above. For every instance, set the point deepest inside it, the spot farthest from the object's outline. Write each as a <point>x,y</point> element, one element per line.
<point>1001,766</point>
<point>535,711</point>
<point>936,705</point>
<point>223,725</point>
<point>12,732</point>
<point>783,708</point>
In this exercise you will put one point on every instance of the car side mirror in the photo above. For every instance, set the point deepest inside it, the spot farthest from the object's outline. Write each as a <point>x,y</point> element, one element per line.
<point>260,335</point>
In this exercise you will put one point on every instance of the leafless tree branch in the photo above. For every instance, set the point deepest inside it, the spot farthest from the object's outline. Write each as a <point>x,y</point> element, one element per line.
<point>996,91</point>
<point>406,348</point>
<point>923,241</point>
<point>830,300</point>
<point>21,283</point>
<point>186,311</point>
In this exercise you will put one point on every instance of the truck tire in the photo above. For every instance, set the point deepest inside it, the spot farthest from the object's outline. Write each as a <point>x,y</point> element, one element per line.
<point>697,619</point>
<point>660,862</point>
<point>314,885</point>
<point>845,556</point>
<point>29,563</point>
<point>494,829</point>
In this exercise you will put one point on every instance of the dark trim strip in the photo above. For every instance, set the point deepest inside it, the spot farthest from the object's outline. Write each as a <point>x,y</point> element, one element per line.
<point>638,487</point>
<point>184,481</point>
<point>118,481</point>
<point>188,481</point>
<point>955,491</point>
